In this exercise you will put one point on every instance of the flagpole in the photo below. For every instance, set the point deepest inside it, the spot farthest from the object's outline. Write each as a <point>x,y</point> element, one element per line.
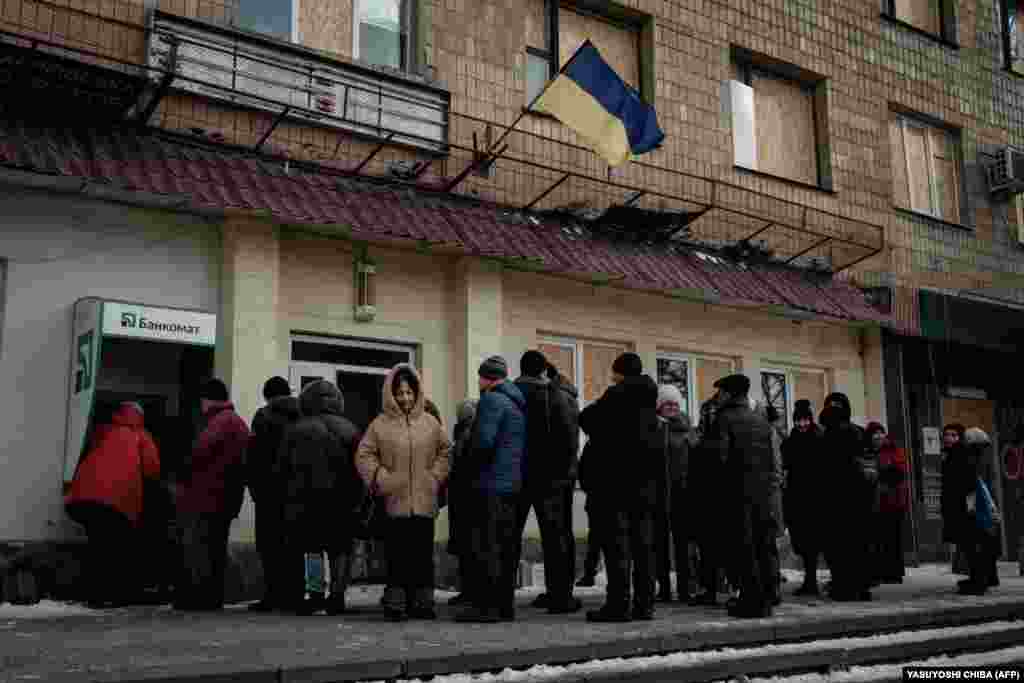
<point>529,107</point>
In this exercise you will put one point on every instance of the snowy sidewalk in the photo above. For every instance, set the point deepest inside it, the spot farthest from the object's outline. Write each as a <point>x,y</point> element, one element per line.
<point>55,643</point>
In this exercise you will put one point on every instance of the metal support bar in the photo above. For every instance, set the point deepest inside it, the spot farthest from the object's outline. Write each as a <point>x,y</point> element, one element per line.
<point>747,239</point>
<point>424,165</point>
<point>273,126</point>
<point>548,191</point>
<point>809,249</point>
<point>375,152</point>
<point>635,198</point>
<point>472,165</point>
<point>874,253</point>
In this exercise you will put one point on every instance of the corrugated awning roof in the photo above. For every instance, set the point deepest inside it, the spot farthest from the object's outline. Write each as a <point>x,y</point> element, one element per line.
<point>223,179</point>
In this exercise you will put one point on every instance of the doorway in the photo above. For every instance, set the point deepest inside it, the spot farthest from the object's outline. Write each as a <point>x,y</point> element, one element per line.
<point>358,367</point>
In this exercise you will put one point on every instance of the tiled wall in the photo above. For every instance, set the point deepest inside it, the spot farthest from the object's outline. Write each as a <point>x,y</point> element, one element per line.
<point>476,49</point>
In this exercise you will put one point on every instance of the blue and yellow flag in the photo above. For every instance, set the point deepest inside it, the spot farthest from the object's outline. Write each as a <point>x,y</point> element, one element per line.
<point>589,97</point>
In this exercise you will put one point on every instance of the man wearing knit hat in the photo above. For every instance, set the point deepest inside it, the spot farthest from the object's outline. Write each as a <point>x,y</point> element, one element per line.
<point>620,470</point>
<point>494,475</point>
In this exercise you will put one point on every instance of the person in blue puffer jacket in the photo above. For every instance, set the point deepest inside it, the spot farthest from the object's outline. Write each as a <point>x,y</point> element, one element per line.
<point>494,465</point>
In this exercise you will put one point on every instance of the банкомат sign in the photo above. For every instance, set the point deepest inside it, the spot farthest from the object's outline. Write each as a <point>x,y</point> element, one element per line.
<point>159,324</point>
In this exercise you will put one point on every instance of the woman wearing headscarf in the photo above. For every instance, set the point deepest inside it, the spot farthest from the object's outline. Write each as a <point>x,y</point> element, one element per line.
<point>465,414</point>
<point>893,503</point>
<point>804,466</point>
<point>403,457</point>
<point>672,517</point>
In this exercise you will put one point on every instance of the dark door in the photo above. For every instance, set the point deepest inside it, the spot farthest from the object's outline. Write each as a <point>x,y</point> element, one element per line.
<point>363,396</point>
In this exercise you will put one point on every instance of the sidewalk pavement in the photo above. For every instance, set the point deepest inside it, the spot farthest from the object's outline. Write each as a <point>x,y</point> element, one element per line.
<point>147,644</point>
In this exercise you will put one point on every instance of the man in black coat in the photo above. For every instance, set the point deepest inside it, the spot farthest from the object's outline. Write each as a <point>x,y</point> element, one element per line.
<point>743,440</point>
<point>268,427</point>
<point>851,502</point>
<point>621,475</point>
<point>552,443</point>
<point>706,484</point>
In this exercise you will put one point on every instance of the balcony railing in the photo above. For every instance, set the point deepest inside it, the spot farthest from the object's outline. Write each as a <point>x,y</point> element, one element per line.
<point>228,65</point>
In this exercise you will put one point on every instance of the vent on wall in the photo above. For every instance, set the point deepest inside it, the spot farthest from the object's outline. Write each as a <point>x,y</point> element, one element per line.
<point>1005,172</point>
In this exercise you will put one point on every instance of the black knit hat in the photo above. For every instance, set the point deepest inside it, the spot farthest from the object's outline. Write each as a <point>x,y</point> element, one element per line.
<point>533,363</point>
<point>494,367</point>
<point>275,387</point>
<point>737,385</point>
<point>802,410</point>
<point>628,365</point>
<point>214,390</point>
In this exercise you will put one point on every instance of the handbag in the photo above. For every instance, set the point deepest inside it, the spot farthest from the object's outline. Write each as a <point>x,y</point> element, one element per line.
<point>986,514</point>
<point>371,514</point>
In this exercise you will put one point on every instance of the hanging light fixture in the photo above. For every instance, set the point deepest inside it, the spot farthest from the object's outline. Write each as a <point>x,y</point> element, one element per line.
<point>366,288</point>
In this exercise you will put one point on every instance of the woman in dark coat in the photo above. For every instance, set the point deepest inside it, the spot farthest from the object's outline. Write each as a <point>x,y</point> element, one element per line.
<point>457,545</point>
<point>804,464</point>
<point>321,489</point>
<point>851,496</point>
<point>968,460</point>
<point>672,522</point>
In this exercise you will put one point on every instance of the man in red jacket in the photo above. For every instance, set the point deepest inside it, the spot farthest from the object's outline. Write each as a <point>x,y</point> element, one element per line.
<point>209,498</point>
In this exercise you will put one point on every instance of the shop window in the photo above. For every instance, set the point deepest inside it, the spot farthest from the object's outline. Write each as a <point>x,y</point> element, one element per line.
<point>781,388</point>
<point>678,371</point>
<point>275,18</point>
<point>936,18</point>
<point>926,168</point>
<point>1013,41</point>
<point>779,120</point>
<point>381,32</point>
<point>554,33</point>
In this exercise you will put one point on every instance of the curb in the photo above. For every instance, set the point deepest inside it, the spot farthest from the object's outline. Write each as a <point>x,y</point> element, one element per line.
<point>752,634</point>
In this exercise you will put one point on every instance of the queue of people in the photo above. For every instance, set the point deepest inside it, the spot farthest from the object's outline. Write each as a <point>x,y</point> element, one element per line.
<point>660,493</point>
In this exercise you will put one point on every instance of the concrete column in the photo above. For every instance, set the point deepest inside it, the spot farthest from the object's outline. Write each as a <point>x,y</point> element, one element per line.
<point>479,315</point>
<point>751,367</point>
<point>648,353</point>
<point>248,348</point>
<point>874,374</point>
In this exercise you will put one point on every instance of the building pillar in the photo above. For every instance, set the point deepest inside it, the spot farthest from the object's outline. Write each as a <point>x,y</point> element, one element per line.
<point>751,367</point>
<point>873,360</point>
<point>248,348</point>
<point>479,316</point>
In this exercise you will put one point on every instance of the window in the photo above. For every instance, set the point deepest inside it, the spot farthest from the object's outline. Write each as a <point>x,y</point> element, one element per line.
<point>779,120</point>
<point>276,18</point>
<point>1013,41</point>
<point>926,168</point>
<point>695,378</point>
<point>781,388</point>
<point>554,32</point>
<point>381,32</point>
<point>1017,219</point>
<point>587,364</point>
<point>937,18</point>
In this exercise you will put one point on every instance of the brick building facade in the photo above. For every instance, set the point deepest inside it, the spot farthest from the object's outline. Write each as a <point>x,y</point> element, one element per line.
<point>810,148</point>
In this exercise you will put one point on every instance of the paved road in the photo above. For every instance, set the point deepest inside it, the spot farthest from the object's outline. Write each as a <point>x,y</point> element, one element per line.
<point>143,643</point>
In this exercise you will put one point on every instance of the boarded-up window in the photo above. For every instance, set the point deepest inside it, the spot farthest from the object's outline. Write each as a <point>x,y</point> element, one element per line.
<point>709,371</point>
<point>926,168</point>
<point>785,127</point>
<point>923,14</point>
<point>562,356</point>
<point>810,385</point>
<point>597,368</point>
<point>619,45</point>
<point>970,413</point>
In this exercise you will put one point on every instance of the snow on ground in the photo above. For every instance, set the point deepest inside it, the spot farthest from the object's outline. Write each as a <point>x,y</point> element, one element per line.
<point>889,672</point>
<point>578,672</point>
<point>47,609</point>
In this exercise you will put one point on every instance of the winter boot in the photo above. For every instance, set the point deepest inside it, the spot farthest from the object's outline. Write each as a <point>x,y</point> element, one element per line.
<point>394,603</point>
<point>422,604</point>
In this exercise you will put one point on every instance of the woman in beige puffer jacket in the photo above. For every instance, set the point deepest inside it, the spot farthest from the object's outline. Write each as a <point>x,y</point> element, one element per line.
<point>403,458</point>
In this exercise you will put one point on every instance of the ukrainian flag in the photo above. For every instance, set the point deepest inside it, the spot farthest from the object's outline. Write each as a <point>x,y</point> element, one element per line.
<point>589,97</point>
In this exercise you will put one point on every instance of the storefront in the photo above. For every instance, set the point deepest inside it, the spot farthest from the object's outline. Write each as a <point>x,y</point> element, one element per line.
<point>960,370</point>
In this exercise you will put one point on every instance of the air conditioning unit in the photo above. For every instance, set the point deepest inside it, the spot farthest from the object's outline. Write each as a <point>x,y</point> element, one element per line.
<point>1006,171</point>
